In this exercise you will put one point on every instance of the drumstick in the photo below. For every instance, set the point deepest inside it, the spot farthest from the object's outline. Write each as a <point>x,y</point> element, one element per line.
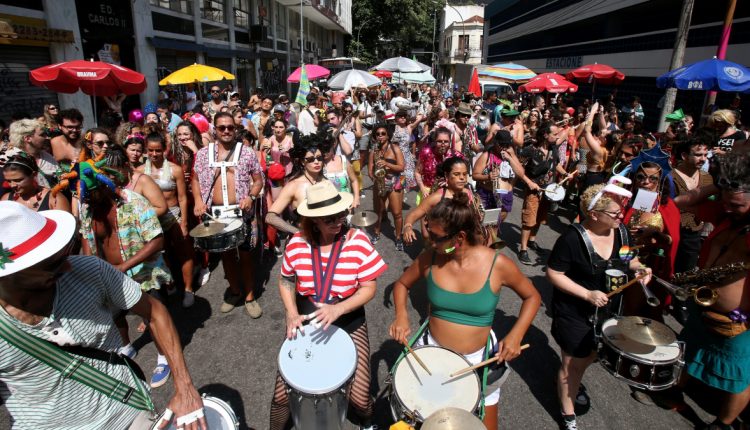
<point>626,285</point>
<point>483,363</point>
<point>416,357</point>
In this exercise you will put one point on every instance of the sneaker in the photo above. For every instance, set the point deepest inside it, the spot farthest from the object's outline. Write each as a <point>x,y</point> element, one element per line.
<point>188,299</point>
<point>277,250</point>
<point>128,351</point>
<point>535,247</point>
<point>253,309</point>
<point>582,398</point>
<point>160,376</point>
<point>523,257</point>
<point>230,302</point>
<point>399,245</point>
<point>569,422</point>
<point>204,275</point>
<point>362,195</point>
<point>375,238</point>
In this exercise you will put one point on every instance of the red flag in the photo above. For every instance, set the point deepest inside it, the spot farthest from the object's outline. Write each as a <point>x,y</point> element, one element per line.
<point>474,86</point>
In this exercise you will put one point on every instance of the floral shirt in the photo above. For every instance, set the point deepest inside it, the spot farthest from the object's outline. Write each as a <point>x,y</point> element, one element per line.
<point>247,166</point>
<point>137,225</point>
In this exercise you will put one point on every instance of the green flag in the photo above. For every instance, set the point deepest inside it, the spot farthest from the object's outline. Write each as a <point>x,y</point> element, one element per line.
<point>304,87</point>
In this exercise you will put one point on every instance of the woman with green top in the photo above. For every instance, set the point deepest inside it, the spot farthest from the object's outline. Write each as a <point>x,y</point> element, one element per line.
<point>464,279</point>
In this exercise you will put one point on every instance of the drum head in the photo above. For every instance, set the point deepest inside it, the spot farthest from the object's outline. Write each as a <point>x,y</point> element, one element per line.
<point>232,225</point>
<point>656,354</point>
<point>219,416</point>
<point>555,192</point>
<point>425,393</point>
<point>318,361</point>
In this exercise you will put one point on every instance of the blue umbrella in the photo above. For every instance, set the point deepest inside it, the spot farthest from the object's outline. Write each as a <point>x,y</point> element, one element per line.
<point>708,75</point>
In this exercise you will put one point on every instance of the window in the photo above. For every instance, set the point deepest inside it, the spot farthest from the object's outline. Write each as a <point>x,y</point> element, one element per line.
<point>481,42</point>
<point>463,42</point>
<point>264,14</point>
<point>242,13</point>
<point>184,6</point>
<point>213,10</point>
<point>280,22</point>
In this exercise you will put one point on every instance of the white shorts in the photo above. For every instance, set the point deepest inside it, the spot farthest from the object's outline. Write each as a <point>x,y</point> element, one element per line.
<point>492,391</point>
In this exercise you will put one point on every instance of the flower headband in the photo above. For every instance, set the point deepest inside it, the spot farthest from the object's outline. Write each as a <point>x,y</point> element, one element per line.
<point>613,187</point>
<point>134,136</point>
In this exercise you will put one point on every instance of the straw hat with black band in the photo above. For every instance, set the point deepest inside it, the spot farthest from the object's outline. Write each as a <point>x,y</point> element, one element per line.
<point>323,199</point>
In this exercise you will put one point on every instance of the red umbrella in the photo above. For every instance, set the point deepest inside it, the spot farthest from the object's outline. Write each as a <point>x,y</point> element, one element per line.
<point>94,78</point>
<point>598,73</point>
<point>474,86</point>
<point>383,74</point>
<point>550,82</point>
<point>313,72</point>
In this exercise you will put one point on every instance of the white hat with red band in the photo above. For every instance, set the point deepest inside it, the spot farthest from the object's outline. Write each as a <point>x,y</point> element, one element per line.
<point>28,237</point>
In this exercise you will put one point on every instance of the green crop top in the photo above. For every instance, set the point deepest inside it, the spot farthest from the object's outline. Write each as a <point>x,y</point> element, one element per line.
<point>474,309</point>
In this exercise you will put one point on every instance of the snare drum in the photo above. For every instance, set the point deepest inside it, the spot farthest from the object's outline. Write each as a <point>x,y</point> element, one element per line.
<point>219,416</point>
<point>642,366</point>
<point>318,367</point>
<point>415,395</point>
<point>231,237</point>
<point>555,192</point>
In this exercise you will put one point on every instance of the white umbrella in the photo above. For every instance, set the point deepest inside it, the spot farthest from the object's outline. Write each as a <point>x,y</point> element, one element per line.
<point>352,78</point>
<point>400,64</point>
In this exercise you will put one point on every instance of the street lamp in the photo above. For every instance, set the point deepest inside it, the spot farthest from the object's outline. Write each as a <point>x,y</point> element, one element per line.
<point>463,29</point>
<point>359,31</point>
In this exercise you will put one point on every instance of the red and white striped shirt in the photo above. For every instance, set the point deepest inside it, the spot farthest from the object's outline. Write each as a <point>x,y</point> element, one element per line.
<point>358,262</point>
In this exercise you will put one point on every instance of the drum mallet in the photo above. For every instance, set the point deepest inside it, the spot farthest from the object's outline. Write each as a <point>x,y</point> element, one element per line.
<point>416,357</point>
<point>626,285</point>
<point>483,363</point>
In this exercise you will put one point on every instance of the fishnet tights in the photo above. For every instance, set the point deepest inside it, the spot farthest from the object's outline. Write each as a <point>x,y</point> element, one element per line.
<point>359,394</point>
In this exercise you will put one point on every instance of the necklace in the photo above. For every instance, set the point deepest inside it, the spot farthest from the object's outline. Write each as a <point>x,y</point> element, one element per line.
<point>310,180</point>
<point>37,197</point>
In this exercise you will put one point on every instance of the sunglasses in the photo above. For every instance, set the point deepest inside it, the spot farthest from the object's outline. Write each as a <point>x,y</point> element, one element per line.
<point>612,214</point>
<point>726,184</point>
<point>315,158</point>
<point>381,134</point>
<point>101,143</point>
<point>438,239</point>
<point>223,128</point>
<point>215,91</point>
<point>642,177</point>
<point>335,218</point>
<point>72,127</point>
<point>52,108</point>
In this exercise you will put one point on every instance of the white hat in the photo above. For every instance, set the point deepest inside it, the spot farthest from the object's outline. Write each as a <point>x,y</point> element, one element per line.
<point>388,115</point>
<point>323,199</point>
<point>28,237</point>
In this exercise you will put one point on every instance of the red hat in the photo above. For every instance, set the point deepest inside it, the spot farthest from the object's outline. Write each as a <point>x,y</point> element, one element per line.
<point>276,172</point>
<point>570,111</point>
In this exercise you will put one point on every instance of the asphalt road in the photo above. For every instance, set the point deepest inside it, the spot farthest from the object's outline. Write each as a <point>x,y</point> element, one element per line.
<point>234,357</point>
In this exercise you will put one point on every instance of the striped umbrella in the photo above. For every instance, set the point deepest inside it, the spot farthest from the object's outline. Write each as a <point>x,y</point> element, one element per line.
<point>508,72</point>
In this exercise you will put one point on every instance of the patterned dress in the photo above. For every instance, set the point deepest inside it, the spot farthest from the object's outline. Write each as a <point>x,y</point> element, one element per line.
<point>137,225</point>
<point>402,138</point>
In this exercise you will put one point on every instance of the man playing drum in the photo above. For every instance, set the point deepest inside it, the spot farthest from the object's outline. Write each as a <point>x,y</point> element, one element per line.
<point>718,343</point>
<point>58,308</point>
<point>223,173</point>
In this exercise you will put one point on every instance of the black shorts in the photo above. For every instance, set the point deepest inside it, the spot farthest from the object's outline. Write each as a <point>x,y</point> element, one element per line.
<point>574,334</point>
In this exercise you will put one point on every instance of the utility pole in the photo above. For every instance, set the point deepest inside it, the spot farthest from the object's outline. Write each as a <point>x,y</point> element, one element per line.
<point>721,51</point>
<point>678,55</point>
<point>301,34</point>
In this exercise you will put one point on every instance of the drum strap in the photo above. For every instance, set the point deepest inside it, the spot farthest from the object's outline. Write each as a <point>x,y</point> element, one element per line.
<point>74,368</point>
<point>593,256</point>
<point>222,165</point>
<point>323,278</point>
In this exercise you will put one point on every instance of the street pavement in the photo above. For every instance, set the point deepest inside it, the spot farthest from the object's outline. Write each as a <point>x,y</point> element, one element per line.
<point>234,357</point>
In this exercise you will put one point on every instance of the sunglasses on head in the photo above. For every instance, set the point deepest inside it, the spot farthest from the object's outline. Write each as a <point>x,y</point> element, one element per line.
<point>335,218</point>
<point>223,128</point>
<point>314,158</point>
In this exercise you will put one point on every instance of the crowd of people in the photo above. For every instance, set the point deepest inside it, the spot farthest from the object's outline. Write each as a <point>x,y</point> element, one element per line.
<point>114,209</point>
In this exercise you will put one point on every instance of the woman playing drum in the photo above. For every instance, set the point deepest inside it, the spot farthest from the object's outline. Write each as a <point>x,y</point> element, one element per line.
<point>579,285</point>
<point>464,279</point>
<point>324,243</point>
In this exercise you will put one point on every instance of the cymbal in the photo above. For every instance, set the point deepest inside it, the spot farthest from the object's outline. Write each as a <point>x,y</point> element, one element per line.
<point>452,419</point>
<point>363,219</point>
<point>210,229</point>
<point>646,331</point>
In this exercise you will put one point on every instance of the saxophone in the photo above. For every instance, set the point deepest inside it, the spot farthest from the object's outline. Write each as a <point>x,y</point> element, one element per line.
<point>695,283</point>
<point>379,173</point>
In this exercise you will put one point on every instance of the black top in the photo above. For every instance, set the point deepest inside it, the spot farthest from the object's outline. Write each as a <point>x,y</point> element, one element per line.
<point>569,255</point>
<point>539,169</point>
<point>726,143</point>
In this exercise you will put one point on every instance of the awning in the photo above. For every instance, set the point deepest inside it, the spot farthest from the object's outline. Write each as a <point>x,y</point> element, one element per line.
<point>211,50</point>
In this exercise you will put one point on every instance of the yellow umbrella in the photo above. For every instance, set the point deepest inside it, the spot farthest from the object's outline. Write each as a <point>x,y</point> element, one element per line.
<point>194,74</point>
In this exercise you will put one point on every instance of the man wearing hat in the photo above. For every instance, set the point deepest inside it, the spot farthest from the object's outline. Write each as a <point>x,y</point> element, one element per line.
<point>510,120</point>
<point>58,341</point>
<point>465,139</point>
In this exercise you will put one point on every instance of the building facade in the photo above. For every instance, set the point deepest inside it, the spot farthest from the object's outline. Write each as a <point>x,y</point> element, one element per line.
<point>259,41</point>
<point>635,36</point>
<point>461,38</point>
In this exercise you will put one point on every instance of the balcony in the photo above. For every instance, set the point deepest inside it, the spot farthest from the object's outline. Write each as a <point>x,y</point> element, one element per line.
<point>320,12</point>
<point>457,55</point>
